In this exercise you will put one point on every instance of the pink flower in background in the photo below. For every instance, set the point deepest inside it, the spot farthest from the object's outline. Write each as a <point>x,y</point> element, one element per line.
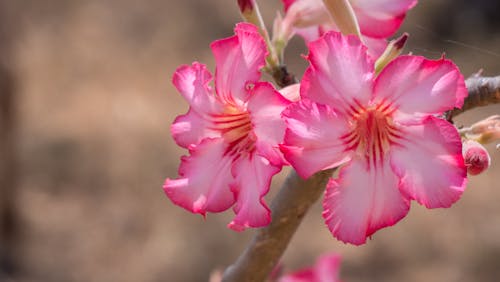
<point>377,19</point>
<point>232,133</point>
<point>382,128</point>
<point>326,269</point>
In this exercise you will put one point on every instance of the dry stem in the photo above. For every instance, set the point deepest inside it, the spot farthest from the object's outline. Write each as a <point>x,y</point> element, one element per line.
<point>483,91</point>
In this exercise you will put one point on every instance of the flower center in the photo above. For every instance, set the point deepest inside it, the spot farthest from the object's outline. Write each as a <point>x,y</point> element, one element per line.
<point>235,127</point>
<point>372,132</point>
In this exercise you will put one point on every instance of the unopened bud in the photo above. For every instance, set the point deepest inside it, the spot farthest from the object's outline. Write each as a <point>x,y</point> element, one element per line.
<point>343,15</point>
<point>394,49</point>
<point>250,13</point>
<point>476,157</point>
<point>485,131</point>
<point>246,6</point>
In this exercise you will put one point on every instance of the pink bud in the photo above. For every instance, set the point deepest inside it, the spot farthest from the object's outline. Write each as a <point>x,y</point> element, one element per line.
<point>343,15</point>
<point>394,48</point>
<point>250,13</point>
<point>476,157</point>
<point>246,5</point>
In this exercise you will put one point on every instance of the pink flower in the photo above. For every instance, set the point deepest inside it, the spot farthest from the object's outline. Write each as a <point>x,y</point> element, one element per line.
<point>232,133</point>
<point>326,269</point>
<point>382,128</point>
<point>377,19</point>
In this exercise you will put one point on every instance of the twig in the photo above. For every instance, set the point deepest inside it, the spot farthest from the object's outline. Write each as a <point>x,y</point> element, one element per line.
<point>297,195</point>
<point>483,91</point>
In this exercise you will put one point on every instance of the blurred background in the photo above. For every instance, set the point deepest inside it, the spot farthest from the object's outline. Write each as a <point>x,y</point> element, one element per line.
<point>86,104</point>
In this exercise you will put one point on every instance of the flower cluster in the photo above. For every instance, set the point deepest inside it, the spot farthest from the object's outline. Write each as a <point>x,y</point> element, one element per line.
<point>382,128</point>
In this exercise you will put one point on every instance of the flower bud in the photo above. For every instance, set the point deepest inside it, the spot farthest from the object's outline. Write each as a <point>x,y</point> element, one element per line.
<point>476,157</point>
<point>485,131</point>
<point>250,13</point>
<point>394,48</point>
<point>246,7</point>
<point>343,15</point>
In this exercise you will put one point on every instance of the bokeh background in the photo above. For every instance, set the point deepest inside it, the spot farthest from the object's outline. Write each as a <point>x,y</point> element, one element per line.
<point>86,104</point>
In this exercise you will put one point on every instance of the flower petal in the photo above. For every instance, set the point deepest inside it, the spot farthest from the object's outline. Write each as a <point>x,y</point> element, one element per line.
<point>312,139</point>
<point>362,201</point>
<point>291,92</point>
<point>306,13</point>
<point>381,18</point>
<point>192,82</point>
<point>238,60</point>
<point>253,177</point>
<point>265,106</point>
<point>326,269</point>
<point>305,275</point>
<point>393,7</point>
<point>204,180</point>
<point>419,86</point>
<point>375,46</point>
<point>288,3</point>
<point>191,128</point>
<point>310,33</point>
<point>340,72</point>
<point>430,163</point>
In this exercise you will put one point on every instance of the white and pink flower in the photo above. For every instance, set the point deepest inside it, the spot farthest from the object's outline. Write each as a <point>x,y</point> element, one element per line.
<point>383,130</point>
<point>232,133</point>
<point>377,19</point>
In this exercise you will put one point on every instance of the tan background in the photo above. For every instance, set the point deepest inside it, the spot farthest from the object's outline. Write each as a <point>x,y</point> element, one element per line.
<point>94,105</point>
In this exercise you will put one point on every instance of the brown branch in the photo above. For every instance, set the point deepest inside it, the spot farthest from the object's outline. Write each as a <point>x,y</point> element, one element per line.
<point>483,91</point>
<point>287,209</point>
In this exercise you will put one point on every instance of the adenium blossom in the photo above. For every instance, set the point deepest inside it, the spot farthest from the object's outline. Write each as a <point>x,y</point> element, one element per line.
<point>377,19</point>
<point>326,269</point>
<point>232,132</point>
<point>382,129</point>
